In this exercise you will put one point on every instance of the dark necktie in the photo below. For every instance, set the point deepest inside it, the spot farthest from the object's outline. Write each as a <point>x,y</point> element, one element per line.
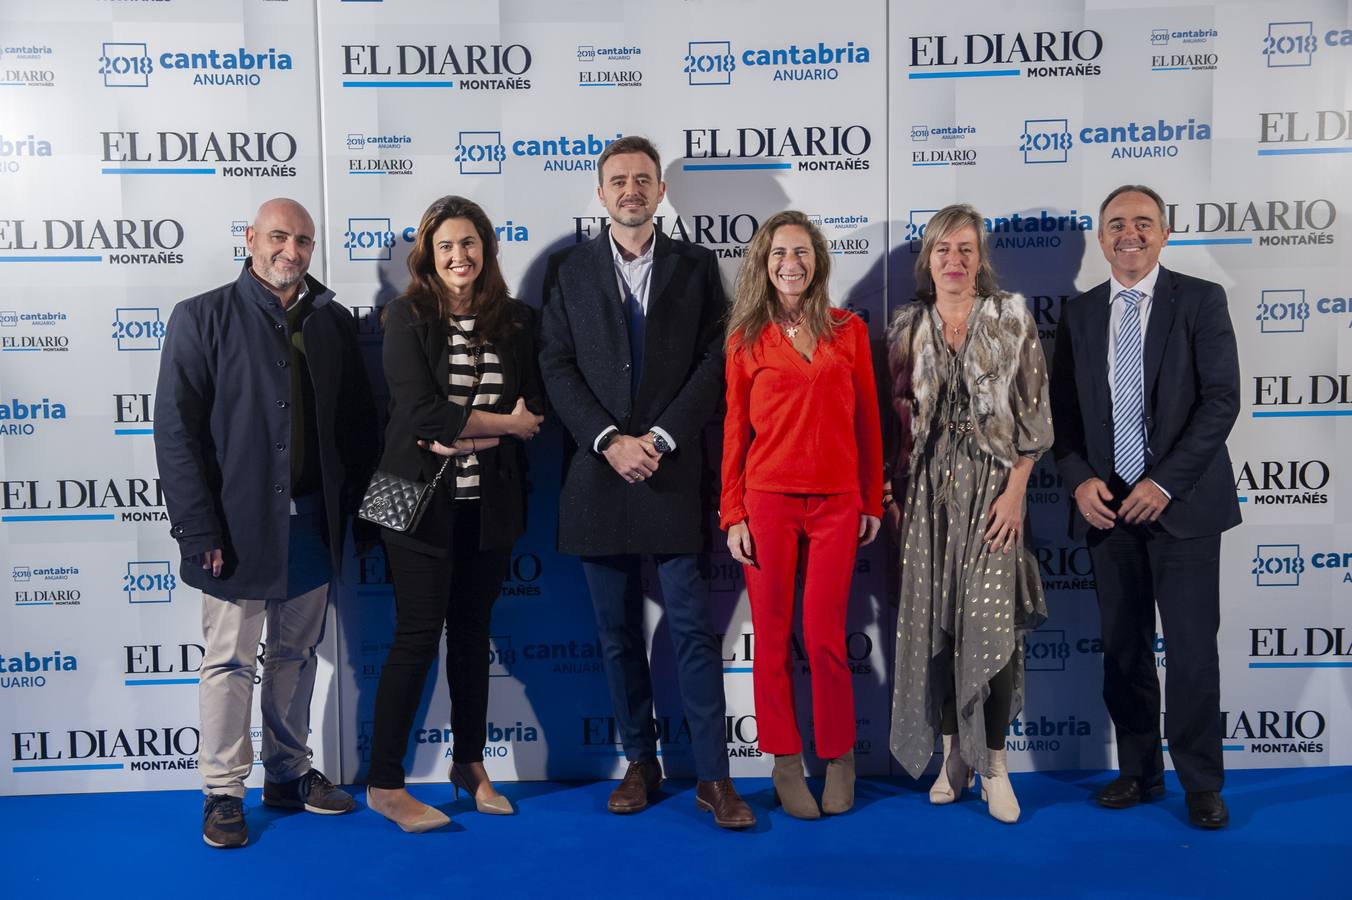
<point>638,327</point>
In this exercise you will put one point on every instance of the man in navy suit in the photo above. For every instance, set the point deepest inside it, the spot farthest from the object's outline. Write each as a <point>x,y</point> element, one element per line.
<point>631,343</point>
<point>1145,389</point>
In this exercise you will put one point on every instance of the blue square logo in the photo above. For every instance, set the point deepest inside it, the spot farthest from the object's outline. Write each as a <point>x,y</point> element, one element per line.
<point>501,655</point>
<point>1045,141</point>
<point>138,328</point>
<point>1289,44</point>
<point>368,239</point>
<point>1159,37</point>
<point>125,65</point>
<point>919,132</point>
<point>1283,311</point>
<point>480,153</point>
<point>586,53</point>
<point>1045,650</point>
<point>710,62</point>
<point>1277,565</point>
<point>149,582</point>
<point>916,221</point>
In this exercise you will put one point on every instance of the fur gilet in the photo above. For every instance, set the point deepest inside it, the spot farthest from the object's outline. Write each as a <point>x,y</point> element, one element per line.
<point>918,361</point>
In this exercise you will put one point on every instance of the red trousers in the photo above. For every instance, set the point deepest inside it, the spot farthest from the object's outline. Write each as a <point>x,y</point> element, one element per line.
<point>825,527</point>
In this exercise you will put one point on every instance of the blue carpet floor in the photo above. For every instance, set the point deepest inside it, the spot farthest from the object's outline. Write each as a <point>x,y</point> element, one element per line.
<point>1288,838</point>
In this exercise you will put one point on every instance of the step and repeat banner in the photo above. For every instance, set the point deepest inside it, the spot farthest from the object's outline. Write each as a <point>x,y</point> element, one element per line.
<point>137,138</point>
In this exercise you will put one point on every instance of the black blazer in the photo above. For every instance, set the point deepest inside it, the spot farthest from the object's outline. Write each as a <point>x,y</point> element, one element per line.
<point>416,359</point>
<point>1191,369</point>
<point>584,358</point>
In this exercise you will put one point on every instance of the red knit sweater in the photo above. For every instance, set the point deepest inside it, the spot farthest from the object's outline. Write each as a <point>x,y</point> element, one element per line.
<point>799,427</point>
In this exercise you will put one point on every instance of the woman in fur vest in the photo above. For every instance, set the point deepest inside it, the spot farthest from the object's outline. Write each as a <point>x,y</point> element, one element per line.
<point>970,390</point>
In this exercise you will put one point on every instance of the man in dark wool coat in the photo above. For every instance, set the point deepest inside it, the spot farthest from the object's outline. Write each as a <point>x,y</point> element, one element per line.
<point>631,353</point>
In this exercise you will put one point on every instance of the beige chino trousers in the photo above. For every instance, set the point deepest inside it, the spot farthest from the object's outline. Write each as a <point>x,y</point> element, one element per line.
<point>232,630</point>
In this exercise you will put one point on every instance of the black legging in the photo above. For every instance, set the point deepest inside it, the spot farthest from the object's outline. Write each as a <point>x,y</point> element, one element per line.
<point>454,593</point>
<point>995,709</point>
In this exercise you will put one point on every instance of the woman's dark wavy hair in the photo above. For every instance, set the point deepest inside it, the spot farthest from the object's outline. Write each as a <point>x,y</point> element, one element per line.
<point>492,307</point>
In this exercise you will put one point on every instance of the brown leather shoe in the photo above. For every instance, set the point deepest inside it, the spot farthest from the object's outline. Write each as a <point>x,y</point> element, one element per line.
<point>721,798</point>
<point>640,779</point>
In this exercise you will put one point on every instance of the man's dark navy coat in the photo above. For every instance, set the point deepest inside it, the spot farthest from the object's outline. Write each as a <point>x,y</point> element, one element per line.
<point>585,360</point>
<point>223,425</point>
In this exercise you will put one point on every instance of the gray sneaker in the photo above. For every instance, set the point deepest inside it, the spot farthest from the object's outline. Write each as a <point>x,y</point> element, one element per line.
<point>223,821</point>
<point>311,792</point>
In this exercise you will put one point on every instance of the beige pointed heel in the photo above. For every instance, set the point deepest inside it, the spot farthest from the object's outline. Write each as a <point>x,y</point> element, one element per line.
<point>497,805</point>
<point>425,818</point>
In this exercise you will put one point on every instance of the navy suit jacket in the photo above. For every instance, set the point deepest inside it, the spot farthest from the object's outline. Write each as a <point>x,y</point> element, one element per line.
<point>1191,370</point>
<point>585,361</point>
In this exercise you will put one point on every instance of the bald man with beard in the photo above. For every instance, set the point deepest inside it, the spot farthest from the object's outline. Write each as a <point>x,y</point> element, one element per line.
<point>260,474</point>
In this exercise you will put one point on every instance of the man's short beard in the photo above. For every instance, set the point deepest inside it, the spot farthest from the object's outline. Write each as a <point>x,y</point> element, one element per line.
<point>644,218</point>
<point>275,278</point>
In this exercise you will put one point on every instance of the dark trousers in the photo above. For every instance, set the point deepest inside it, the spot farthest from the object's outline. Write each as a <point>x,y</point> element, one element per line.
<point>995,710</point>
<point>454,592</point>
<point>1137,567</point>
<point>617,597</point>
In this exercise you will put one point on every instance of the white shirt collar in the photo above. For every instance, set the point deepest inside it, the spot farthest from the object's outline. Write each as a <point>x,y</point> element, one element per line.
<point>1146,285</point>
<point>645,256</point>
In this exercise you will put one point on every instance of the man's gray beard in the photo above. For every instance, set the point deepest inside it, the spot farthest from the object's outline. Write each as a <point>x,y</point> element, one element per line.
<point>275,278</point>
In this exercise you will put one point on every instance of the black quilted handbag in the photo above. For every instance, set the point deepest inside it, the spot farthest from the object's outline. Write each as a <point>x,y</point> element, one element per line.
<point>397,503</point>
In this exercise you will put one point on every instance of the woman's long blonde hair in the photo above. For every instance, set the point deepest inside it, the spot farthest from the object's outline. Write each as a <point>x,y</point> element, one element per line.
<point>754,303</point>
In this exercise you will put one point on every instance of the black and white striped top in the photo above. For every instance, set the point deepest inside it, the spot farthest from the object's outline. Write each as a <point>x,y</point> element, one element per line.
<point>470,387</point>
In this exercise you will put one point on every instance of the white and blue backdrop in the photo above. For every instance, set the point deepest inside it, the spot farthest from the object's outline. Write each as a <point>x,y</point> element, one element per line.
<point>138,137</point>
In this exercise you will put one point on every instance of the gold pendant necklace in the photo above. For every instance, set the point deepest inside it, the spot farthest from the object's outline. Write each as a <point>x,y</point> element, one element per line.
<point>791,329</point>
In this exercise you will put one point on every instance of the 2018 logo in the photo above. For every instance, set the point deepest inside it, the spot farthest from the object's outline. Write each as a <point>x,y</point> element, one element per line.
<point>1277,565</point>
<point>149,582</point>
<point>138,328</point>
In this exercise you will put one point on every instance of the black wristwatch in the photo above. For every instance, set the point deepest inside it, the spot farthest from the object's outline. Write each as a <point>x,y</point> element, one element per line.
<point>606,441</point>
<point>660,443</point>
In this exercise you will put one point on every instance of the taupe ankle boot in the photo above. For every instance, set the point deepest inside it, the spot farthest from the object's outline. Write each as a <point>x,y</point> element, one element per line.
<point>838,796</point>
<point>791,787</point>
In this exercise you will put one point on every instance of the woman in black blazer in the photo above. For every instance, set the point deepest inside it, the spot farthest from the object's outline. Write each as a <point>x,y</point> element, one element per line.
<point>459,358</point>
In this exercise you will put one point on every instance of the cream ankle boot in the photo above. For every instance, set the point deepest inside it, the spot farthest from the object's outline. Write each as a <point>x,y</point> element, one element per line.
<point>997,791</point>
<point>953,773</point>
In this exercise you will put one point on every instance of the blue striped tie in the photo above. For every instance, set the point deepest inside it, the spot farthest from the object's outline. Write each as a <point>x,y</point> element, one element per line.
<point>1129,392</point>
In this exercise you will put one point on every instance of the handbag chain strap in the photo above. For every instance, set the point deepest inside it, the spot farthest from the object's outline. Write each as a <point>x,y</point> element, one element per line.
<point>437,478</point>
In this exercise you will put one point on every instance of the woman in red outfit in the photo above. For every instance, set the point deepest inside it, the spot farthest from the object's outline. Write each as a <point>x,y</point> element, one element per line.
<point>802,471</point>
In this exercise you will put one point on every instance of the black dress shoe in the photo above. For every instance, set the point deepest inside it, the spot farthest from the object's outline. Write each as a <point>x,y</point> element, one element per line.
<point>1207,810</point>
<point>1128,790</point>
